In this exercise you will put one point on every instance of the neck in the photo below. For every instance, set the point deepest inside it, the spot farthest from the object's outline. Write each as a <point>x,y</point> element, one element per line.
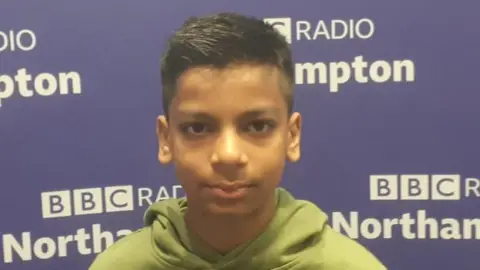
<point>224,233</point>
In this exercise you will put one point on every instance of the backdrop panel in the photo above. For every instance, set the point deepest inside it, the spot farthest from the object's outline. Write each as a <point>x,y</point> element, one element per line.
<point>388,92</point>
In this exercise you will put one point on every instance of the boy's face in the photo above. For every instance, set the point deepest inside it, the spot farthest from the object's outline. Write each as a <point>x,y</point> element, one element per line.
<point>228,135</point>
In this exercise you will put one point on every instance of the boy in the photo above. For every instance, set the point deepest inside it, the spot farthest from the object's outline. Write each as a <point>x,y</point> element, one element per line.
<point>228,129</point>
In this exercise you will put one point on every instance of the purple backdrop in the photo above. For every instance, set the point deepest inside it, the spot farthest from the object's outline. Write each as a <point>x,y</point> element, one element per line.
<point>388,93</point>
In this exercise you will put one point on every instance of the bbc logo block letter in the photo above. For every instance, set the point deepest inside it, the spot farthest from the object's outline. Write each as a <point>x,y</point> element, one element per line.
<point>282,25</point>
<point>118,198</point>
<point>446,187</point>
<point>415,187</point>
<point>87,201</point>
<point>383,187</point>
<point>56,204</point>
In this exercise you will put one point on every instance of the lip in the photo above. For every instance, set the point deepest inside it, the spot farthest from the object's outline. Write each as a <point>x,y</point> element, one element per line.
<point>230,191</point>
<point>231,187</point>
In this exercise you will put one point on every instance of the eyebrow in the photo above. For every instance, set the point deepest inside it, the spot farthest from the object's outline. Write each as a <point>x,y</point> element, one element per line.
<point>252,113</point>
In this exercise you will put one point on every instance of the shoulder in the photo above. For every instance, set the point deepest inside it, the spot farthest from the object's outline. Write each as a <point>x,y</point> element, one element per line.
<point>341,252</point>
<point>133,251</point>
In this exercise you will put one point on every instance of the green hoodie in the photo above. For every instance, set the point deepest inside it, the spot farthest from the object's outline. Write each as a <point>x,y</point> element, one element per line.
<point>298,238</point>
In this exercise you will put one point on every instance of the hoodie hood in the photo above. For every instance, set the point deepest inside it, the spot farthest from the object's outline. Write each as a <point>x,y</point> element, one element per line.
<point>293,234</point>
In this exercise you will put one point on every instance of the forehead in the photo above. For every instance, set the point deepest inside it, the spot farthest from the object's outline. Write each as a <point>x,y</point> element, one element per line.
<point>232,89</point>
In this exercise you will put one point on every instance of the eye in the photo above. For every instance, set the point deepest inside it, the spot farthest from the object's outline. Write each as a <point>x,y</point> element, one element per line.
<point>194,128</point>
<point>260,126</point>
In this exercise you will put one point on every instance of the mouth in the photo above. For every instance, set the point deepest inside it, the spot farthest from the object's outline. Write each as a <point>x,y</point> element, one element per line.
<point>233,191</point>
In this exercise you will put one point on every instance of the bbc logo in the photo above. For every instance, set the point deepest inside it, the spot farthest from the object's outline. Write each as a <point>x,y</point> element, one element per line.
<point>415,187</point>
<point>282,25</point>
<point>87,201</point>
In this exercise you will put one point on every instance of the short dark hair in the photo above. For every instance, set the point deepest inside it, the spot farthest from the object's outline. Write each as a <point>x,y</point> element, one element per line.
<point>222,39</point>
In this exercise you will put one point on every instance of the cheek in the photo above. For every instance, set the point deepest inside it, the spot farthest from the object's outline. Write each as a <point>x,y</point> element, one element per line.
<point>190,176</point>
<point>191,164</point>
<point>268,163</point>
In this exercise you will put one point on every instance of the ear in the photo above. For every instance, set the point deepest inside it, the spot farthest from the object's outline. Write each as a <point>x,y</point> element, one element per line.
<point>294,137</point>
<point>164,147</point>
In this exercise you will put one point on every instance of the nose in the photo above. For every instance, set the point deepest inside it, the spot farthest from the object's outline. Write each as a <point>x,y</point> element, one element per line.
<point>228,150</point>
